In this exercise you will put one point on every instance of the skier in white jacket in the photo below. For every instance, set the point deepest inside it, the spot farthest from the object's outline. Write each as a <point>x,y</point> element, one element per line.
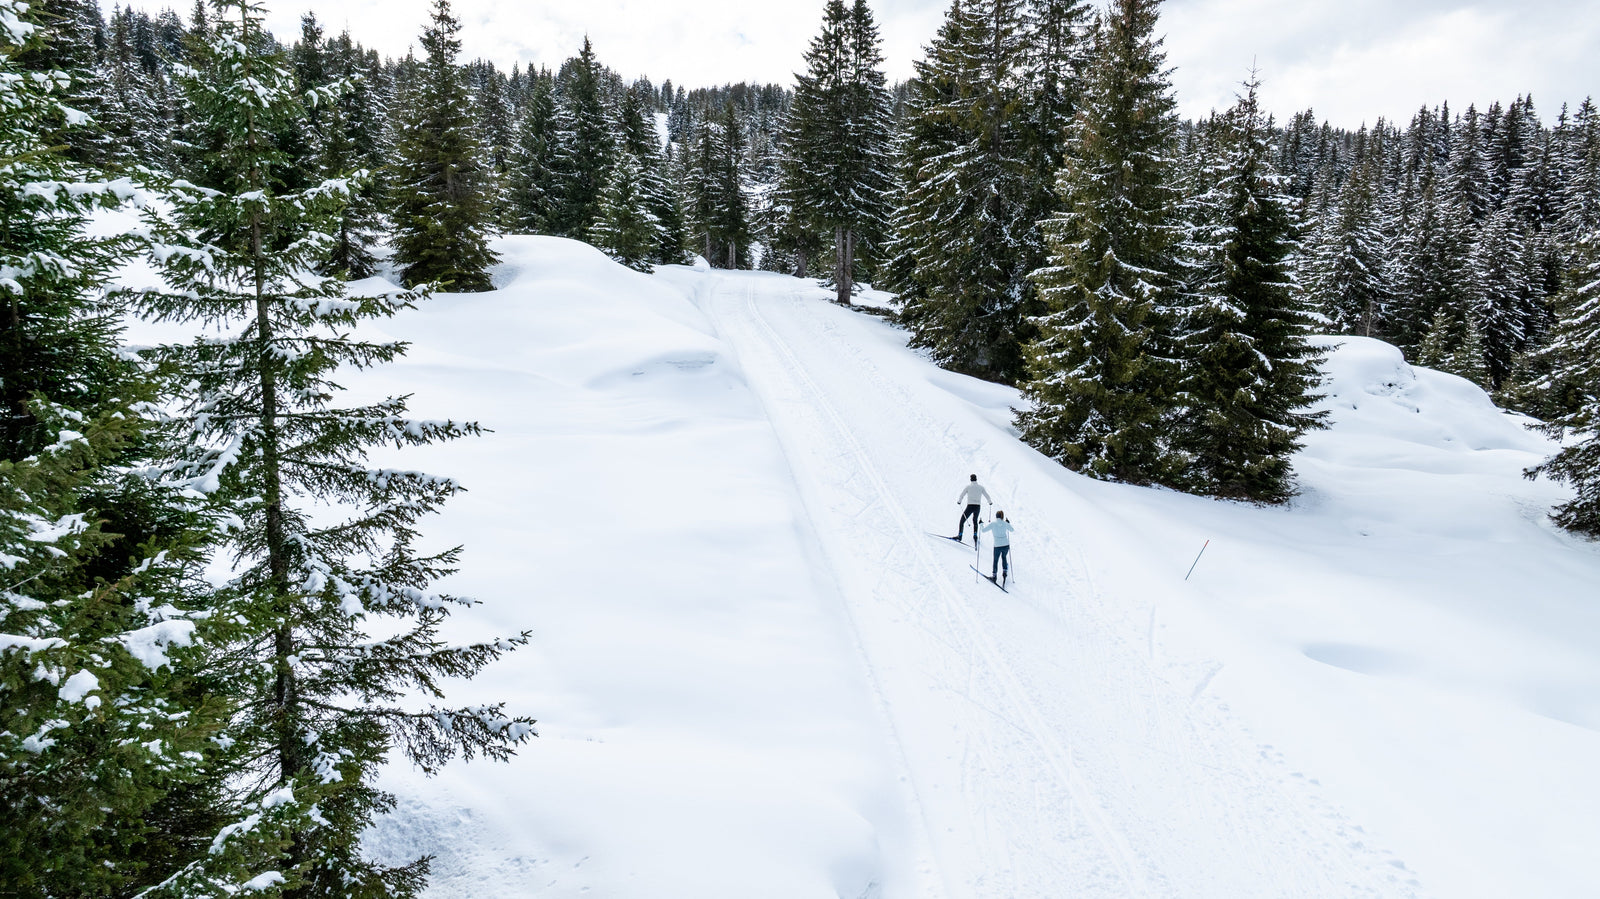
<point>974,496</point>
<point>1001,529</point>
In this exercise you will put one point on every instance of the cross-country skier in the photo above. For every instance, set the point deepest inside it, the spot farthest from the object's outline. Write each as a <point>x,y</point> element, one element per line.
<point>973,495</point>
<point>1001,529</point>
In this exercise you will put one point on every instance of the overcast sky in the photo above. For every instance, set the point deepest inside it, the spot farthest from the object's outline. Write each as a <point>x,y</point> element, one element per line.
<point>1351,60</point>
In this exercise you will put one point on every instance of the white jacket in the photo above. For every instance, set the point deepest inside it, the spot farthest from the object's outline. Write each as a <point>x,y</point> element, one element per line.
<point>1001,529</point>
<point>971,495</point>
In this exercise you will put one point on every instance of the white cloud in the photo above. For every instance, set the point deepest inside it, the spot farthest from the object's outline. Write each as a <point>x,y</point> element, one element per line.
<point>1356,60</point>
<point>1351,60</point>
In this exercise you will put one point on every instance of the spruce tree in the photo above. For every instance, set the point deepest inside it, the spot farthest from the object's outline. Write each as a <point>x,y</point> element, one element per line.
<point>1575,362</point>
<point>351,147</point>
<point>1454,345</point>
<point>1499,292</point>
<point>1248,369</point>
<point>585,145</point>
<point>638,138</point>
<point>1348,263</point>
<point>1099,393</point>
<point>962,254</point>
<point>717,198</point>
<point>627,230</point>
<point>104,730</point>
<point>338,623</point>
<point>532,197</point>
<point>835,145</point>
<point>443,189</point>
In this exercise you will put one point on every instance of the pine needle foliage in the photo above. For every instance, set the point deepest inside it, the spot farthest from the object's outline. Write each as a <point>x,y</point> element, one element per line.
<point>1248,368</point>
<point>966,231</point>
<point>443,185</point>
<point>1575,362</point>
<point>105,726</point>
<point>1101,379</point>
<point>339,624</point>
<point>836,168</point>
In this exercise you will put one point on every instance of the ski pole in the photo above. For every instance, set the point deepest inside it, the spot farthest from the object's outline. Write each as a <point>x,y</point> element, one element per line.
<point>1197,559</point>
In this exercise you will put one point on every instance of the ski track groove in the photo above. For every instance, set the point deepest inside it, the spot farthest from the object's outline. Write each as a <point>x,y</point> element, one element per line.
<point>1159,698</point>
<point>1113,843</point>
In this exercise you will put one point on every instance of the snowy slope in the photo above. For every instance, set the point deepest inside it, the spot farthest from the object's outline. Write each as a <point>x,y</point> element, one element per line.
<point>708,493</point>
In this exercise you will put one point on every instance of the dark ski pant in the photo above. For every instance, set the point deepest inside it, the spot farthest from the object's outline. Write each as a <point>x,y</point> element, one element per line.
<point>1002,560</point>
<point>975,512</point>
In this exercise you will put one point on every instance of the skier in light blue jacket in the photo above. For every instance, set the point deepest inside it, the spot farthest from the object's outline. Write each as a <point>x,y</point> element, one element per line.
<point>1001,529</point>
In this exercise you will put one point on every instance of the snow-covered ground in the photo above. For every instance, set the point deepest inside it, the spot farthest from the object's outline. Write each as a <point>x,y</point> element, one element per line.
<point>709,496</point>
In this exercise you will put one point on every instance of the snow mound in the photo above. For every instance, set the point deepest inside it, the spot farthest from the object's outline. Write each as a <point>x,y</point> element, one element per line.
<point>1370,390</point>
<point>703,729</point>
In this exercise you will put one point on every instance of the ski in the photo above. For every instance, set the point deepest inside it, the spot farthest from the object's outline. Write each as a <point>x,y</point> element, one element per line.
<point>956,540</point>
<point>998,583</point>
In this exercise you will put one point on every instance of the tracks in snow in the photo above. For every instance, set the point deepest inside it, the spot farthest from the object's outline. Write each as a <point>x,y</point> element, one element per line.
<point>1046,750</point>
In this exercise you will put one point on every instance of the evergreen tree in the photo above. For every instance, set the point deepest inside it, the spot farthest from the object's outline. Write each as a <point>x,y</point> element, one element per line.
<point>351,147</point>
<point>627,230</point>
<point>1468,171</point>
<point>1249,370</point>
<point>1575,371</point>
<point>1454,345</point>
<point>962,250</point>
<point>1348,263</point>
<point>1432,262</point>
<point>337,620</point>
<point>104,727</point>
<point>719,207</point>
<point>585,145</point>
<point>638,139</point>
<point>1500,293</point>
<point>443,203</point>
<point>533,160</point>
<point>835,152</point>
<point>1052,87</point>
<point>1099,394</point>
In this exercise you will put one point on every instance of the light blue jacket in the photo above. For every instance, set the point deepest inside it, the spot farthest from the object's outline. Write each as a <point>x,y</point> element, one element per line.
<point>1001,529</point>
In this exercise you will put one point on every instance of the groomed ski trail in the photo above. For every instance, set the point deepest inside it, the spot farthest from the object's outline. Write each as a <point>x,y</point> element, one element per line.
<point>1051,750</point>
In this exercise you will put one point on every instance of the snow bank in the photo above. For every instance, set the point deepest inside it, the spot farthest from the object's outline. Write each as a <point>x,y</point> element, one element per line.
<point>705,731</point>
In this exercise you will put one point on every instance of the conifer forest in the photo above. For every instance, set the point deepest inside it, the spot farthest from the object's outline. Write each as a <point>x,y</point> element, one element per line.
<point>216,614</point>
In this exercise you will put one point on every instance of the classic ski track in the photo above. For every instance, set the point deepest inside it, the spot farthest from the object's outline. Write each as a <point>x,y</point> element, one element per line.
<point>1103,643</point>
<point>1058,757</point>
<point>1102,640</point>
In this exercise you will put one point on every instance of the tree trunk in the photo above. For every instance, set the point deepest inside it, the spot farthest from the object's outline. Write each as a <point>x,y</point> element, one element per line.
<point>733,255</point>
<point>801,264</point>
<point>844,243</point>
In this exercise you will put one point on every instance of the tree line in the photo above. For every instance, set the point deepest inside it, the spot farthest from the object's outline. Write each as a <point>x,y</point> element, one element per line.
<point>202,677</point>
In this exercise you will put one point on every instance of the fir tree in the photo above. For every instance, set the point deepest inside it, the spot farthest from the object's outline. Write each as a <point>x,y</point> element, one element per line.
<point>835,154</point>
<point>443,206</point>
<point>1575,362</point>
<point>533,160</point>
<point>1499,292</point>
<point>962,251</point>
<point>1249,370</point>
<point>1100,395</point>
<point>719,206</point>
<point>638,139</point>
<point>338,622</point>
<point>101,606</point>
<point>1454,345</point>
<point>1348,270</point>
<point>585,145</point>
<point>351,147</point>
<point>627,230</point>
